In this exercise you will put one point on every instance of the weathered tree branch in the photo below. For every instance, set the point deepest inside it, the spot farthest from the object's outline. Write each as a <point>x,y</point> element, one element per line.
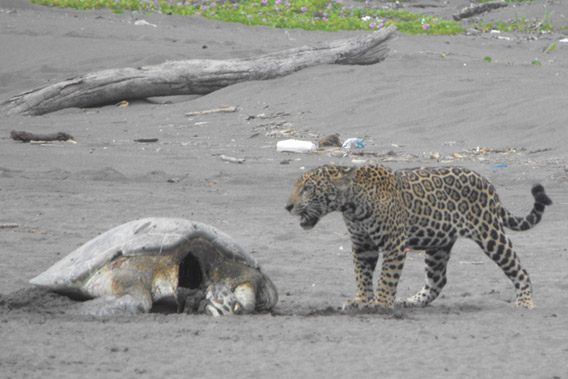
<point>29,137</point>
<point>475,9</point>
<point>198,76</point>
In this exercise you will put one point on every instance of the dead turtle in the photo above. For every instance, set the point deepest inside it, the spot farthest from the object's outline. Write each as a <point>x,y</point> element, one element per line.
<point>128,268</point>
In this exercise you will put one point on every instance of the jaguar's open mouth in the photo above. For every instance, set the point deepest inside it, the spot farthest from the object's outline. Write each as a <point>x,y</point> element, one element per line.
<point>307,222</point>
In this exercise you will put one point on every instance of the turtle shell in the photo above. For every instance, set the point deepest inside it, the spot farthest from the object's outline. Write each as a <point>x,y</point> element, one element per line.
<point>148,236</point>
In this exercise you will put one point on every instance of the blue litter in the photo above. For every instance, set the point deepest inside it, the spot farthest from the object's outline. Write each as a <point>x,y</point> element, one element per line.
<point>354,143</point>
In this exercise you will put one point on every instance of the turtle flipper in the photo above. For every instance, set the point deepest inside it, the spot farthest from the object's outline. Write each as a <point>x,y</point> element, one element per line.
<point>137,300</point>
<point>221,301</point>
<point>189,300</point>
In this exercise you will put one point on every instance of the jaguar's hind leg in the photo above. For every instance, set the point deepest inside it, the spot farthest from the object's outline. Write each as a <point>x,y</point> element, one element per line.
<point>436,262</point>
<point>499,248</point>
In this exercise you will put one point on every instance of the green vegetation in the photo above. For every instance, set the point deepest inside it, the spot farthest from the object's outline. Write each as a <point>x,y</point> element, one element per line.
<point>328,15</point>
<point>507,1</point>
<point>520,24</point>
<point>550,48</point>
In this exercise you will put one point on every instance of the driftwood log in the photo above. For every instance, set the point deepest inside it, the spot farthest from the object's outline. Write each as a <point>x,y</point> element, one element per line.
<point>475,9</point>
<point>29,137</point>
<point>193,77</point>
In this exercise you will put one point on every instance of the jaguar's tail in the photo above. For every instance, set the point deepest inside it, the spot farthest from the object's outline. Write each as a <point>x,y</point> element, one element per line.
<point>541,200</point>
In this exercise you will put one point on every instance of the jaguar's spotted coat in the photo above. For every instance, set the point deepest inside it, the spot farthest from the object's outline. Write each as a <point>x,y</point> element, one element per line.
<point>420,208</point>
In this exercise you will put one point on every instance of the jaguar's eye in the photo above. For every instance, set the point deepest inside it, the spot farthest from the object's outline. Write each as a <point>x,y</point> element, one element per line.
<point>308,187</point>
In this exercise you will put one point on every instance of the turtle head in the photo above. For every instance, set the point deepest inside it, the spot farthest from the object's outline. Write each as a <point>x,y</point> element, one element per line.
<point>222,301</point>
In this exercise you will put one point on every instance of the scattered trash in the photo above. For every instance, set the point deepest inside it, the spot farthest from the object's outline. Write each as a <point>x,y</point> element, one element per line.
<point>354,143</point>
<point>227,109</point>
<point>359,161</point>
<point>29,137</point>
<point>295,146</point>
<point>123,104</point>
<point>265,116</point>
<point>478,152</point>
<point>173,180</point>
<point>232,159</point>
<point>362,155</point>
<point>277,128</point>
<point>279,133</point>
<point>499,165</point>
<point>542,150</point>
<point>146,140</point>
<point>332,140</point>
<point>144,23</point>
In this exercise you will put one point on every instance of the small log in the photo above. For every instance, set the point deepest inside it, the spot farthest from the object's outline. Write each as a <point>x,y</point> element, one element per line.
<point>475,9</point>
<point>230,109</point>
<point>193,77</point>
<point>9,225</point>
<point>28,137</point>
<point>232,159</point>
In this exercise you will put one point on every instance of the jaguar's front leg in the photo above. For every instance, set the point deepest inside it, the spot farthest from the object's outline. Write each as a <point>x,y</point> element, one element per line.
<point>393,263</point>
<point>365,261</point>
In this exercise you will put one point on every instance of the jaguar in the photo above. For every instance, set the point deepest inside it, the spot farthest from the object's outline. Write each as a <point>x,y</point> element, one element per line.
<point>425,208</point>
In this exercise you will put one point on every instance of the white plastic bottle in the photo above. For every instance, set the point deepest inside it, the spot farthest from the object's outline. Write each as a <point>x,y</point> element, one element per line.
<point>295,146</point>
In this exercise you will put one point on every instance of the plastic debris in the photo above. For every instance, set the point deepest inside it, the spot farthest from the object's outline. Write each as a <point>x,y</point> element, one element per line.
<point>295,146</point>
<point>354,143</point>
<point>144,23</point>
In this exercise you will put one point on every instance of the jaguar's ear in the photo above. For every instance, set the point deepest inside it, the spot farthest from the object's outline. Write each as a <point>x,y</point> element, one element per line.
<point>344,177</point>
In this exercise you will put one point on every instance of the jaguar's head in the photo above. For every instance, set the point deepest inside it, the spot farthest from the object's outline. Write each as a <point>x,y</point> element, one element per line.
<point>319,192</point>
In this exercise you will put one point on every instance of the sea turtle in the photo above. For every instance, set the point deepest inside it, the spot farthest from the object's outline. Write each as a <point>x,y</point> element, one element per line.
<point>128,268</point>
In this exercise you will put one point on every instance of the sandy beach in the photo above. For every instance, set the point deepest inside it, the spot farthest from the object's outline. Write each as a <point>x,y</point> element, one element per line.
<point>433,101</point>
